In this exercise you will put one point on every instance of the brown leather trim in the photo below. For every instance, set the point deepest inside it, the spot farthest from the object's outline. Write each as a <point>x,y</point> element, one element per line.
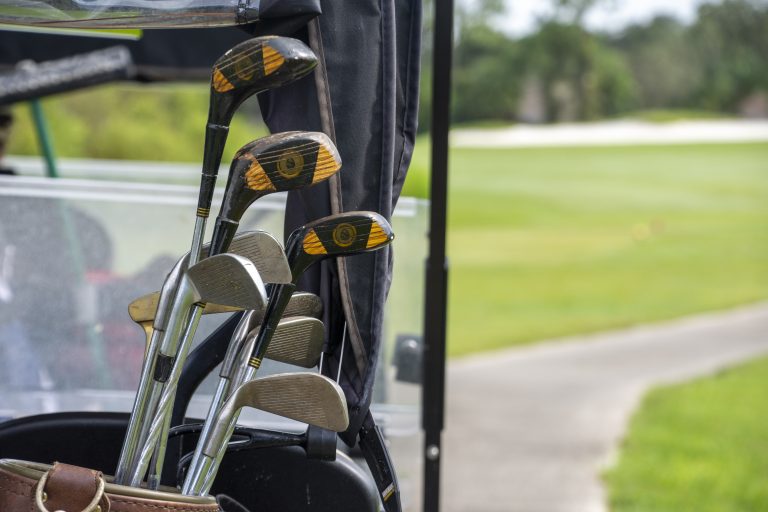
<point>17,494</point>
<point>73,488</point>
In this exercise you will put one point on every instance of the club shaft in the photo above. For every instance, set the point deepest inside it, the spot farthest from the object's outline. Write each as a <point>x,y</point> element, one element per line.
<point>131,441</point>
<point>162,348</point>
<point>215,141</point>
<point>200,479</point>
<point>153,440</point>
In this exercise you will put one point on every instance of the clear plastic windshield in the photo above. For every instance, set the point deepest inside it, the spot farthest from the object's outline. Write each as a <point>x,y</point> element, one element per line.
<point>128,13</point>
<point>75,251</point>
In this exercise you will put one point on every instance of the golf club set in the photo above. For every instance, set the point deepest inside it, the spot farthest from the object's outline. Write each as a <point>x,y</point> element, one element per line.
<point>248,272</point>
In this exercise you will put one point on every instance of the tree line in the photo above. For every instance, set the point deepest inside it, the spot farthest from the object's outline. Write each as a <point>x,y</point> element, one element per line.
<point>564,72</point>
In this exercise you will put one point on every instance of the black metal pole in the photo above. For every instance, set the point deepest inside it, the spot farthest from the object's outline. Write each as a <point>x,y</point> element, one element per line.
<point>433,395</point>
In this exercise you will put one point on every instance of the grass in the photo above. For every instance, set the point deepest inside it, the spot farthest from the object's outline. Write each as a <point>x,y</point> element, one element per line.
<point>551,242</point>
<point>701,446</point>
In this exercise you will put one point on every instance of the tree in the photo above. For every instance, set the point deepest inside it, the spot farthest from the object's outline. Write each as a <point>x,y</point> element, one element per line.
<point>581,77</point>
<point>732,48</point>
<point>663,62</point>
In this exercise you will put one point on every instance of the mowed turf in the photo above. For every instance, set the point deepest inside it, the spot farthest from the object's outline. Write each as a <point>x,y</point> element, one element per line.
<point>701,447</point>
<point>558,241</point>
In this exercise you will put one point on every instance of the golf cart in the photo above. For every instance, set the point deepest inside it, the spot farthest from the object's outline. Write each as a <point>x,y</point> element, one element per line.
<point>89,364</point>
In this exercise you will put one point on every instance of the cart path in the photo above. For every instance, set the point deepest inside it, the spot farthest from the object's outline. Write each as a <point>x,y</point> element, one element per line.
<point>531,429</point>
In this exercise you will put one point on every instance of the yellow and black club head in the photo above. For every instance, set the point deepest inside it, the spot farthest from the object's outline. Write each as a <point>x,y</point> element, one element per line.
<point>276,163</point>
<point>344,234</point>
<point>252,67</point>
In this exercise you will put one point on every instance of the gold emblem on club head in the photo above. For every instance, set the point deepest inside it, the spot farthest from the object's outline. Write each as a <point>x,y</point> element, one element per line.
<point>244,67</point>
<point>290,164</point>
<point>344,235</point>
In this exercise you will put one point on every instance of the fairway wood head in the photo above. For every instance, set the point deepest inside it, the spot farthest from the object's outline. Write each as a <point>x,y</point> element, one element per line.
<point>252,67</point>
<point>343,234</point>
<point>276,163</point>
<point>307,397</point>
<point>228,279</point>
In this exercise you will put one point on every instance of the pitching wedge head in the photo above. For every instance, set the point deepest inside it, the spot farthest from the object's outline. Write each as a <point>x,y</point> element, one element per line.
<point>228,279</point>
<point>276,163</point>
<point>344,234</point>
<point>252,67</point>
<point>307,397</point>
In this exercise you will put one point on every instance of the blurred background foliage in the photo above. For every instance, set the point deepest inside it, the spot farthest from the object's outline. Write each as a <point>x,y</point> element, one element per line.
<point>659,70</point>
<point>563,72</point>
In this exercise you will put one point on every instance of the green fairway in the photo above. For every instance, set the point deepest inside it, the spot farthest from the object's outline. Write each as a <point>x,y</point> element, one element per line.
<point>557,241</point>
<point>698,447</point>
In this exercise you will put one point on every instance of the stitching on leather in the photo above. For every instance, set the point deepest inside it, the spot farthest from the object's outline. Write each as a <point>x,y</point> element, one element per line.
<point>16,484</point>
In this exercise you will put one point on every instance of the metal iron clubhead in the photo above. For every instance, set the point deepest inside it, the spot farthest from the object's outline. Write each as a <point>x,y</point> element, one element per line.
<point>276,163</point>
<point>227,279</point>
<point>264,251</point>
<point>298,340</point>
<point>142,310</point>
<point>307,397</point>
<point>304,304</point>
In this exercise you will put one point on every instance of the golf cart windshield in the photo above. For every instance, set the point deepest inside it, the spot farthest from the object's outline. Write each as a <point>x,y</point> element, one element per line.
<point>128,13</point>
<point>75,252</point>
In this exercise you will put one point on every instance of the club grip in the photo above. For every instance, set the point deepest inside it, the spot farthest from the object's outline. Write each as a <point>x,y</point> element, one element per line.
<point>223,234</point>
<point>215,140</point>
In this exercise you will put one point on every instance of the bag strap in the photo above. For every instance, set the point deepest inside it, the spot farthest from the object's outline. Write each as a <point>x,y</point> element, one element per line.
<point>71,488</point>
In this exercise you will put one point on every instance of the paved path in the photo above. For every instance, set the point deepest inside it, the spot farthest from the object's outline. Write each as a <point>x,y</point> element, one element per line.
<point>530,429</point>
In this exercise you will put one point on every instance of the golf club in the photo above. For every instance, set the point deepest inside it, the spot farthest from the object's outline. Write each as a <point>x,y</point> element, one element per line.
<point>275,163</point>
<point>142,310</point>
<point>307,397</point>
<point>297,341</point>
<point>264,251</point>
<point>249,68</point>
<point>223,279</point>
<point>343,234</point>
<point>254,439</point>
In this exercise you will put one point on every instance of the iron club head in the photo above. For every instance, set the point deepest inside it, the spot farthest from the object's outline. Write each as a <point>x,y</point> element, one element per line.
<point>307,397</point>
